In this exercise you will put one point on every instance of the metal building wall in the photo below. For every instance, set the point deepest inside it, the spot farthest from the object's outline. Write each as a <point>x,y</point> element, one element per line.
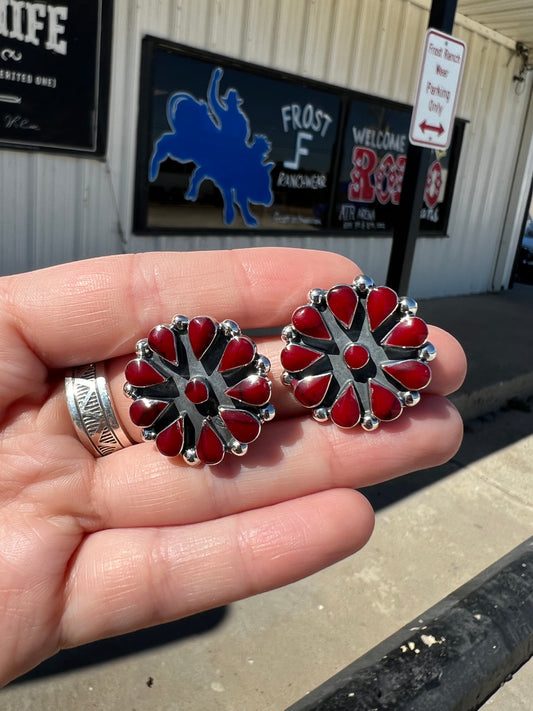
<point>59,208</point>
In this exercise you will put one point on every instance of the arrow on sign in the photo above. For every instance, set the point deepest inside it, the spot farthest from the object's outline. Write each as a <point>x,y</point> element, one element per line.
<point>428,127</point>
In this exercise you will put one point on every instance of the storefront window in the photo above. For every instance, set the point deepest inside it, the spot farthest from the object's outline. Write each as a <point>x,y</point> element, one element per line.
<point>223,145</point>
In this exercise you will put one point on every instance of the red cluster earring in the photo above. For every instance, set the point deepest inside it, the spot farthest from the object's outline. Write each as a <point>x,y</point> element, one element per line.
<point>200,389</point>
<point>357,354</point>
<point>354,354</point>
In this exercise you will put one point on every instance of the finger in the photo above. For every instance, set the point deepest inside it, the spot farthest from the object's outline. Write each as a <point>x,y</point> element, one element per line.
<point>122,580</point>
<point>97,309</point>
<point>294,458</point>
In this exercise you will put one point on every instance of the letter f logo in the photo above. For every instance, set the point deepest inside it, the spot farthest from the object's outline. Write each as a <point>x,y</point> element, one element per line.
<point>300,150</point>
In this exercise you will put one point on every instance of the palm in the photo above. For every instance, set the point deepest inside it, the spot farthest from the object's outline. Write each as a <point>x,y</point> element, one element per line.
<point>95,547</point>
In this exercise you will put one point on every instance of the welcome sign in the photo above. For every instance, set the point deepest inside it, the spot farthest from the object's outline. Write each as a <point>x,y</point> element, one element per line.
<point>51,61</point>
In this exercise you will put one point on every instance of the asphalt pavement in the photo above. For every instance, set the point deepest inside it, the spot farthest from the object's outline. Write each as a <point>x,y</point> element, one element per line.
<point>435,530</point>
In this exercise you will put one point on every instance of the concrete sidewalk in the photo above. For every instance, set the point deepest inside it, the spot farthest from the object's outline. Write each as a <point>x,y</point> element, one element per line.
<point>435,530</point>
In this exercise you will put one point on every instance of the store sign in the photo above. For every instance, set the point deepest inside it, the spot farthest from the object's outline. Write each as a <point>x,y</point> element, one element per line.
<point>223,145</point>
<point>370,183</point>
<point>228,148</point>
<point>52,61</point>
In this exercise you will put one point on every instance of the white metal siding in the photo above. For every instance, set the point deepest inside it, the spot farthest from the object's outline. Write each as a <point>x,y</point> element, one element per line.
<point>57,208</point>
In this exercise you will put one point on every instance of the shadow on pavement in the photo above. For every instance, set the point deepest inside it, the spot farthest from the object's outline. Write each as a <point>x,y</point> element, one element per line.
<point>116,647</point>
<point>507,425</point>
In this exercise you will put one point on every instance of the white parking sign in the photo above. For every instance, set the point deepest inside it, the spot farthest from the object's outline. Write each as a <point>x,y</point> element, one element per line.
<point>438,88</point>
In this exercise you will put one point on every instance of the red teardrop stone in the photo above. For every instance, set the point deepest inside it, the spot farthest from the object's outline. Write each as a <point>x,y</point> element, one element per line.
<point>311,391</point>
<point>239,352</point>
<point>408,333</point>
<point>140,373</point>
<point>384,403</point>
<point>308,320</point>
<point>197,391</point>
<point>170,440</point>
<point>254,390</point>
<point>380,304</point>
<point>342,301</point>
<point>161,340</point>
<point>144,412</point>
<point>209,448</point>
<point>202,331</point>
<point>346,412</point>
<point>242,425</point>
<point>411,374</point>
<point>295,357</point>
<point>356,356</point>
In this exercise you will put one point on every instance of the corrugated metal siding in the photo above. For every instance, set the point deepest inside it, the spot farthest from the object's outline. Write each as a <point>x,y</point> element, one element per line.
<point>56,208</point>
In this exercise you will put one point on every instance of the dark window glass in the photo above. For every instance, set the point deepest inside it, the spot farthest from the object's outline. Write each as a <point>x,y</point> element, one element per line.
<point>224,145</point>
<point>231,149</point>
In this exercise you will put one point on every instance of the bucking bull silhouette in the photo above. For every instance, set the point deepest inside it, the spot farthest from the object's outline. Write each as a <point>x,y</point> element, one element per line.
<point>216,137</point>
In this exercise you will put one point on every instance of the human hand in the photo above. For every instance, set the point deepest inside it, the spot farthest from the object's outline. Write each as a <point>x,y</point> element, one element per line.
<point>95,547</point>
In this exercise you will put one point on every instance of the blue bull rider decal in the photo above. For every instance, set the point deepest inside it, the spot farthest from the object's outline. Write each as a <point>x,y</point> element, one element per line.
<point>215,136</point>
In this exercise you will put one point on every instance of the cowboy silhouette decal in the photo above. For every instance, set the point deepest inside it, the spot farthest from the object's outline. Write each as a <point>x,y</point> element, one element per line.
<point>216,137</point>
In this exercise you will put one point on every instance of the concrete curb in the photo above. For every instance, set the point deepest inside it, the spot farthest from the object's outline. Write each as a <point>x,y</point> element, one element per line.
<point>453,657</point>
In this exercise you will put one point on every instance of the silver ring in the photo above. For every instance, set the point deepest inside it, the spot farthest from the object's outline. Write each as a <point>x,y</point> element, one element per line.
<point>90,407</point>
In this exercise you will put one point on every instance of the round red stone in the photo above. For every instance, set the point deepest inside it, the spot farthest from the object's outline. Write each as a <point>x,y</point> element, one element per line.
<point>308,320</point>
<point>311,391</point>
<point>254,390</point>
<point>144,412</point>
<point>239,352</point>
<point>161,340</point>
<point>380,304</point>
<point>384,403</point>
<point>202,331</point>
<point>140,373</point>
<point>170,440</point>
<point>411,374</point>
<point>242,425</point>
<point>295,357</point>
<point>356,356</point>
<point>346,411</point>
<point>408,333</point>
<point>197,391</point>
<point>342,301</point>
<point>210,448</point>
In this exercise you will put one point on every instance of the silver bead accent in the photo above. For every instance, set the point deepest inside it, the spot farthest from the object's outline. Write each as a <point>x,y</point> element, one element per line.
<point>288,334</point>
<point>428,352</point>
<point>363,284</point>
<point>190,456</point>
<point>262,365</point>
<point>320,414</point>
<point>142,349</point>
<point>408,306</point>
<point>410,398</point>
<point>148,435</point>
<point>267,413</point>
<point>370,423</point>
<point>286,378</point>
<point>238,448</point>
<point>128,390</point>
<point>316,296</point>
<point>180,322</point>
<point>230,328</point>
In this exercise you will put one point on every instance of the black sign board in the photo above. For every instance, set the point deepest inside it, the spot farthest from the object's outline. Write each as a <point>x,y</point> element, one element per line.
<point>54,69</point>
<point>226,145</point>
